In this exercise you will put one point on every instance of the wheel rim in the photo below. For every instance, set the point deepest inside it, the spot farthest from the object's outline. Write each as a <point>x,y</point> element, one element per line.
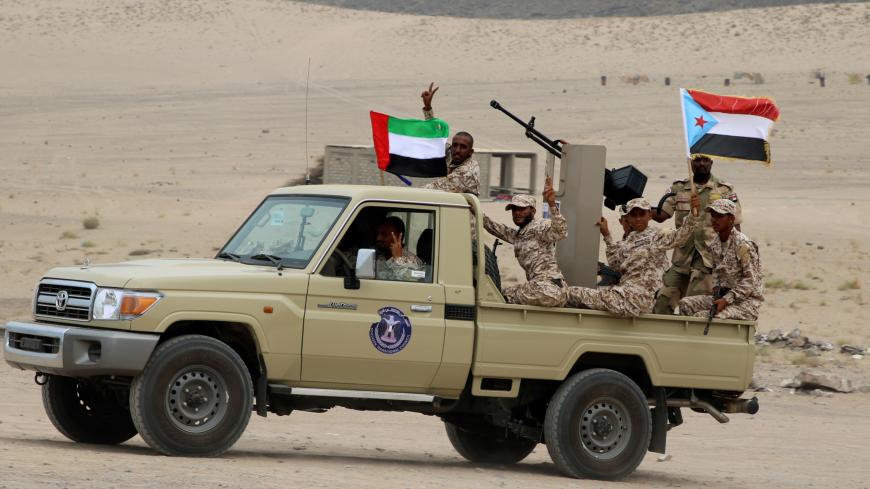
<point>197,399</point>
<point>604,428</point>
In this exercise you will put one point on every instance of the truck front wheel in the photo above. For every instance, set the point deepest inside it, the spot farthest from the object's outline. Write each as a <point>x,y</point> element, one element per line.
<point>489,447</point>
<point>86,414</point>
<point>598,425</point>
<point>193,398</point>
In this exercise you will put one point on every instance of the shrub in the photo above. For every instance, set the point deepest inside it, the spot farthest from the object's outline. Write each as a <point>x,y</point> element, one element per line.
<point>91,222</point>
<point>853,284</point>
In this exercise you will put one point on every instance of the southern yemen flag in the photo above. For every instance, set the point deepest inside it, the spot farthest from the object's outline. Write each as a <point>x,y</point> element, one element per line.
<point>410,147</point>
<point>730,127</point>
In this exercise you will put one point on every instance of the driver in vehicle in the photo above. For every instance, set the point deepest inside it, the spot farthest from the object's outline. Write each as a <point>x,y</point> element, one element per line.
<point>394,261</point>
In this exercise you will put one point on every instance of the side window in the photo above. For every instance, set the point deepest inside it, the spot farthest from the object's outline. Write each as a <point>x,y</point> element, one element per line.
<point>403,240</point>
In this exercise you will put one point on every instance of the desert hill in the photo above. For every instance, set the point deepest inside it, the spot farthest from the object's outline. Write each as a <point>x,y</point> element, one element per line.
<point>558,9</point>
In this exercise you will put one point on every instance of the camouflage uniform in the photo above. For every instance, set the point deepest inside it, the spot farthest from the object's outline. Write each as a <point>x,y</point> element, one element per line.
<point>737,267</point>
<point>535,250</point>
<point>400,268</point>
<point>640,258</point>
<point>462,177</point>
<point>690,272</point>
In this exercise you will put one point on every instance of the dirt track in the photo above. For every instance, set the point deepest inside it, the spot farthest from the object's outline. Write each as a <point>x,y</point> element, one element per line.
<point>795,441</point>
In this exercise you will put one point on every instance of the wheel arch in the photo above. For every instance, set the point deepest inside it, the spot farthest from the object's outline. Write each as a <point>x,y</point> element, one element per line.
<point>632,365</point>
<point>240,336</point>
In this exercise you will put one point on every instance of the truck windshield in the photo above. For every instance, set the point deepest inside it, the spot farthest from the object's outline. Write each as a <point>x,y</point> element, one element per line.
<point>285,230</point>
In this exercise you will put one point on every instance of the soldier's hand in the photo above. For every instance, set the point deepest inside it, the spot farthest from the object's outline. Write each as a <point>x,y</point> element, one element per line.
<point>549,193</point>
<point>696,204</point>
<point>427,96</point>
<point>720,305</point>
<point>396,245</point>
<point>603,227</point>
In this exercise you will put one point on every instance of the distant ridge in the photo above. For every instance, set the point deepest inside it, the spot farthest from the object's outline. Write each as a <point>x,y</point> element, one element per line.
<point>559,9</point>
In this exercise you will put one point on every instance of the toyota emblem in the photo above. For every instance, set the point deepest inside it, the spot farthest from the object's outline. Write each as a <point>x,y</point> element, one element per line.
<point>61,300</point>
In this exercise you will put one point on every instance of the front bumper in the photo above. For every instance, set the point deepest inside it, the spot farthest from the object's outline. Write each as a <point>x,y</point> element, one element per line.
<point>76,351</point>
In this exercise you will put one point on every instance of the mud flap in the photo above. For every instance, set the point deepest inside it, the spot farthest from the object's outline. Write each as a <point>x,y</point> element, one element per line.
<point>261,392</point>
<point>659,422</point>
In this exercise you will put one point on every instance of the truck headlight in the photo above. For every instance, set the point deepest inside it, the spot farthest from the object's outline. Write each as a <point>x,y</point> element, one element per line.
<point>123,304</point>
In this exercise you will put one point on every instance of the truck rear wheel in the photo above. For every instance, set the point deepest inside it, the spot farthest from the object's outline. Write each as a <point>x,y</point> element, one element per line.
<point>488,448</point>
<point>86,414</point>
<point>598,425</point>
<point>193,398</point>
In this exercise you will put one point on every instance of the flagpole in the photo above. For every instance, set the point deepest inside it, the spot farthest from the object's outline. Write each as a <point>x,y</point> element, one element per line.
<point>688,150</point>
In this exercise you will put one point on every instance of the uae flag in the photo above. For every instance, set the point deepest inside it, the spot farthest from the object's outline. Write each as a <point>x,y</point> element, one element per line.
<point>730,127</point>
<point>410,147</point>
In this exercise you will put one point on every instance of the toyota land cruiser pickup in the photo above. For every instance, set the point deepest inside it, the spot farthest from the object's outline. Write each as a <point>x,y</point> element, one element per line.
<point>291,315</point>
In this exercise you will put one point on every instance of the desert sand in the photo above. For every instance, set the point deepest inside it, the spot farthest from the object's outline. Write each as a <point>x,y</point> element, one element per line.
<point>169,121</point>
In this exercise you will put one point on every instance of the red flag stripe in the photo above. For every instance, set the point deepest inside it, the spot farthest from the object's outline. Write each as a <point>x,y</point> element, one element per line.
<point>381,138</point>
<point>762,107</point>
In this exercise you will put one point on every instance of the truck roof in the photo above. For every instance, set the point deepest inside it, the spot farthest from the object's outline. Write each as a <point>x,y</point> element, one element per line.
<point>377,192</point>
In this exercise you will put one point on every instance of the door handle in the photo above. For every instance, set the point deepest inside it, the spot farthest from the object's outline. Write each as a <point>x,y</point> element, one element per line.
<point>421,308</point>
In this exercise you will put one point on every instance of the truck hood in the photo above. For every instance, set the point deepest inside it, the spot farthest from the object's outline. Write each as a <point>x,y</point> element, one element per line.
<point>186,274</point>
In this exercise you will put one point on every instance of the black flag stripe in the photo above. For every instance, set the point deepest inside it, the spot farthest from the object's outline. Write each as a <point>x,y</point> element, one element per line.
<point>741,147</point>
<point>417,167</point>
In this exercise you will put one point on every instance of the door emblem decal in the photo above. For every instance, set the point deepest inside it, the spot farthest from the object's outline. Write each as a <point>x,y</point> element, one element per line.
<point>393,332</point>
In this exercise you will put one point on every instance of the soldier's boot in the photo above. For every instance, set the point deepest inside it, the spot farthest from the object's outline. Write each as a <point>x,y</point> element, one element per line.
<point>673,289</point>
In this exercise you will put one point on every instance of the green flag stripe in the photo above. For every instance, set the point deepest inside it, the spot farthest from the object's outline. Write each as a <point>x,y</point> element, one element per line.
<point>433,128</point>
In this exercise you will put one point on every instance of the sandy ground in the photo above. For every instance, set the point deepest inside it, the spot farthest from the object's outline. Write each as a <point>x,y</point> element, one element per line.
<point>794,441</point>
<point>170,120</point>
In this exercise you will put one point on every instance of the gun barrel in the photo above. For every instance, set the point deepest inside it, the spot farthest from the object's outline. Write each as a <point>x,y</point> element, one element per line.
<point>497,106</point>
<point>531,133</point>
<point>710,316</point>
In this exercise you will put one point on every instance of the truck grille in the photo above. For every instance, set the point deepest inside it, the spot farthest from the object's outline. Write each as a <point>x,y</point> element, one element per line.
<point>64,299</point>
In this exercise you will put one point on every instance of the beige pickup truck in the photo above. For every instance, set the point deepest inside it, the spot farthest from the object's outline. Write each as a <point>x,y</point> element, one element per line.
<point>294,313</point>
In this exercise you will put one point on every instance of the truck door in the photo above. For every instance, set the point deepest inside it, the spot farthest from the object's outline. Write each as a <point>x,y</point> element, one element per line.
<point>389,333</point>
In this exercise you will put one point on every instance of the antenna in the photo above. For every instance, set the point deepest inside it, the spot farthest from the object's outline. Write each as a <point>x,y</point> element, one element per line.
<point>307,78</point>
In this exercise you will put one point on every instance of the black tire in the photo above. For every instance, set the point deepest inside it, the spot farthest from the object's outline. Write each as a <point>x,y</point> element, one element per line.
<point>490,447</point>
<point>85,414</point>
<point>193,398</point>
<point>491,266</point>
<point>598,425</point>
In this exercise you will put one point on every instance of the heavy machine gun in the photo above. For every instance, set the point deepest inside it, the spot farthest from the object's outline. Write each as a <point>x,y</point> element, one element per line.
<point>620,184</point>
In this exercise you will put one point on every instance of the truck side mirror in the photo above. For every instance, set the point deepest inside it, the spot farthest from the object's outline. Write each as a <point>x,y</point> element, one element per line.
<point>365,263</point>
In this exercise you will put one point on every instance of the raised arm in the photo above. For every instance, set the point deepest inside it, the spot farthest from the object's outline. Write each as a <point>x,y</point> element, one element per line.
<point>672,238</point>
<point>557,227</point>
<point>427,96</point>
<point>499,230</point>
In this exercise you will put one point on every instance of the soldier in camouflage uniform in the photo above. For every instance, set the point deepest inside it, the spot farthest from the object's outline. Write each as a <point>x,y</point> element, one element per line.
<point>690,271</point>
<point>736,267</point>
<point>463,173</point>
<point>394,262</point>
<point>535,249</point>
<point>640,258</point>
